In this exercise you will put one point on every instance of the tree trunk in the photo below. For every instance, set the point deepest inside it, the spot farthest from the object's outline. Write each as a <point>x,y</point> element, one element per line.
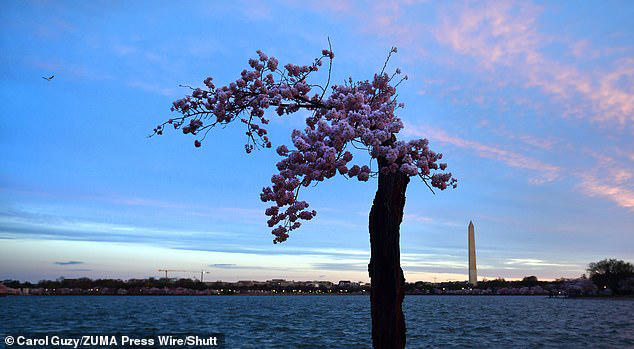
<point>386,275</point>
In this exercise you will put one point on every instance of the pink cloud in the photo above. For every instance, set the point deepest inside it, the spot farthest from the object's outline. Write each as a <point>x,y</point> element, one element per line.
<point>533,141</point>
<point>339,6</point>
<point>609,179</point>
<point>504,39</point>
<point>547,172</point>
<point>489,33</point>
<point>536,141</point>
<point>614,190</point>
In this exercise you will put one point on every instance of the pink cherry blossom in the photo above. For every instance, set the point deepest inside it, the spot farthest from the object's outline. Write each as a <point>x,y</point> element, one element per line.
<point>355,114</point>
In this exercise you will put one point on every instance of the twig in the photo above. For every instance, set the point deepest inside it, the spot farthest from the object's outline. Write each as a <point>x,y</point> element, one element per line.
<point>329,70</point>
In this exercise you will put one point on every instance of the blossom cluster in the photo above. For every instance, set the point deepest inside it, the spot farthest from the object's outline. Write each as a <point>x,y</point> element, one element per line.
<point>361,115</point>
<point>258,88</point>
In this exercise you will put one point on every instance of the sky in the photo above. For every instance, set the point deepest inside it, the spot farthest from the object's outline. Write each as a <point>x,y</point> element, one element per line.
<point>531,104</point>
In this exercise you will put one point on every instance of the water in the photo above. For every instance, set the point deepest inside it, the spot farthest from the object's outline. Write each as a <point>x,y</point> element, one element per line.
<point>335,321</point>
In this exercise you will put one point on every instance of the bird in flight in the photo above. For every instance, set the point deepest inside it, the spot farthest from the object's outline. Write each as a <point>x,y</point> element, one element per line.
<point>49,78</point>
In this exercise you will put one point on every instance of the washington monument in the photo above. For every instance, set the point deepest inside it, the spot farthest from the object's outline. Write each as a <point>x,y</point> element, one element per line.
<point>473,274</point>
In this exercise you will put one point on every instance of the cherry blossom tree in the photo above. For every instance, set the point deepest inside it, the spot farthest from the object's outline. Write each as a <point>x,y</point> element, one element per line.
<point>359,115</point>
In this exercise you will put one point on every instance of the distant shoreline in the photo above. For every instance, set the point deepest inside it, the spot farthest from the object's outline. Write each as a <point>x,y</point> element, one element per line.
<point>313,295</point>
<point>529,286</point>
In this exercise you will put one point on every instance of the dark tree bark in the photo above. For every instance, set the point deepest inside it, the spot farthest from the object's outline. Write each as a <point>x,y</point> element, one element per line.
<point>386,275</point>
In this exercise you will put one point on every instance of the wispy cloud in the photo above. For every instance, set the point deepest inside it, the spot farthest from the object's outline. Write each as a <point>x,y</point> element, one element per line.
<point>609,178</point>
<point>138,52</point>
<point>69,263</point>
<point>510,49</point>
<point>233,266</point>
<point>613,188</point>
<point>21,225</point>
<point>152,87</point>
<point>536,263</point>
<point>42,226</point>
<point>341,266</point>
<point>548,172</point>
<point>244,214</point>
<point>224,265</point>
<point>504,38</point>
<point>417,218</point>
<point>531,140</point>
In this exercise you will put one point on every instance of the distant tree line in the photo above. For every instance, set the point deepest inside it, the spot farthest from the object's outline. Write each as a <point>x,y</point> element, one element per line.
<point>606,277</point>
<point>141,286</point>
<point>87,283</point>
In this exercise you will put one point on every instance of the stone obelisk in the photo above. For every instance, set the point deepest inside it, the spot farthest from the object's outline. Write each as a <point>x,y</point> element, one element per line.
<point>473,274</point>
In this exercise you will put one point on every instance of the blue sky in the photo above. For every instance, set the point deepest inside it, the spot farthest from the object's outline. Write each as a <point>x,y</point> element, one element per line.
<point>531,103</point>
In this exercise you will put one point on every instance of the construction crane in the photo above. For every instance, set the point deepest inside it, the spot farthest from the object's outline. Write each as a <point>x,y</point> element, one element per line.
<point>202,272</point>
<point>171,270</point>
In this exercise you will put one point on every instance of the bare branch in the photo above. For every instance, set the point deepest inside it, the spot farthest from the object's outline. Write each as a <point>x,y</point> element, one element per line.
<point>329,71</point>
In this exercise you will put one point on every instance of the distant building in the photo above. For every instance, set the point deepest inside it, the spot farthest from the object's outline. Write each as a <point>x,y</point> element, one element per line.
<point>326,284</point>
<point>245,283</point>
<point>473,274</point>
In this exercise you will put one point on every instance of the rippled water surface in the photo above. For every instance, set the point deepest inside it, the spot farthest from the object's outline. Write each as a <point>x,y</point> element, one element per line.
<point>336,321</point>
